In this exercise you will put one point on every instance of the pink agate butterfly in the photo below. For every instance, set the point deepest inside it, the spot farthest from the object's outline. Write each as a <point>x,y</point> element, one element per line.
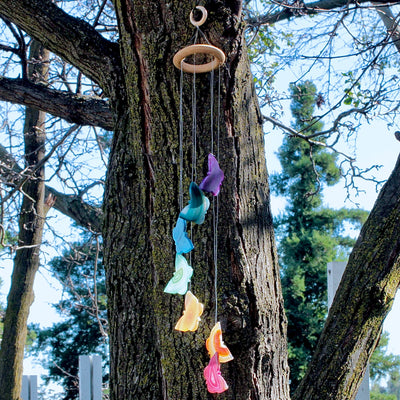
<point>212,374</point>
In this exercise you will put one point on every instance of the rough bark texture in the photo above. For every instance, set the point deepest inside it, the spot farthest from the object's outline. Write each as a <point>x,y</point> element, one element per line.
<point>26,262</point>
<point>363,300</point>
<point>149,359</point>
<point>390,22</point>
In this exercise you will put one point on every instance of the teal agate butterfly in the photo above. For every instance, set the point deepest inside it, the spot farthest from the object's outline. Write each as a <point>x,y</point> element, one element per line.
<point>198,205</point>
<point>183,243</point>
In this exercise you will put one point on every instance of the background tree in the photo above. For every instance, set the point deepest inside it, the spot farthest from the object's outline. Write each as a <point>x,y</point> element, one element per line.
<point>384,367</point>
<point>31,222</point>
<point>393,384</point>
<point>15,178</point>
<point>83,328</point>
<point>140,84</point>
<point>309,234</point>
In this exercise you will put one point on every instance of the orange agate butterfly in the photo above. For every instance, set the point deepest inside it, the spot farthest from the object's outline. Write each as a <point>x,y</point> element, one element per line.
<point>215,344</point>
<point>191,314</point>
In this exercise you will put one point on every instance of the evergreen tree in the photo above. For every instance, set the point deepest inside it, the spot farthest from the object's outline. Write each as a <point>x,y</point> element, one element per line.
<point>84,305</point>
<point>310,235</point>
<point>384,367</point>
<point>1,314</point>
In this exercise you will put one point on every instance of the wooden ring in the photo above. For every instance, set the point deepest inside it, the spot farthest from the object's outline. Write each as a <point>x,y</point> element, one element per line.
<point>218,54</point>
<point>203,17</point>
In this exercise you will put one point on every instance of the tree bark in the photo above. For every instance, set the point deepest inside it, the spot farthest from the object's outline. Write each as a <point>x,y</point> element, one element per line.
<point>362,302</point>
<point>149,359</point>
<point>26,262</point>
<point>390,22</point>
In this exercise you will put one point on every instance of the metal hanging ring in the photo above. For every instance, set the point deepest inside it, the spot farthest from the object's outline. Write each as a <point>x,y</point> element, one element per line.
<point>203,17</point>
<point>217,54</point>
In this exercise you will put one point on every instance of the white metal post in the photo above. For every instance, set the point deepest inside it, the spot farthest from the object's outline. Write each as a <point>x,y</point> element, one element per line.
<point>84,378</point>
<point>335,272</point>
<point>25,387</point>
<point>97,378</point>
<point>33,387</point>
<point>29,387</point>
<point>90,378</point>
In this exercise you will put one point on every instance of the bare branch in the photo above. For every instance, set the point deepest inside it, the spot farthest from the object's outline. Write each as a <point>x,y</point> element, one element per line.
<point>74,108</point>
<point>308,139</point>
<point>391,23</point>
<point>72,206</point>
<point>295,11</point>
<point>72,39</point>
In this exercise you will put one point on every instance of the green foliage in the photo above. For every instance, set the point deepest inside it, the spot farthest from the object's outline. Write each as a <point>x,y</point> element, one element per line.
<point>382,364</point>
<point>393,384</point>
<point>309,234</point>
<point>80,332</point>
<point>382,396</point>
<point>1,314</point>
<point>392,387</point>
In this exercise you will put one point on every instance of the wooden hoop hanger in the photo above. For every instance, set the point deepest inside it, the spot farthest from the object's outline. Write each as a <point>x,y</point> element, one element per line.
<point>218,54</point>
<point>207,49</point>
<point>203,17</point>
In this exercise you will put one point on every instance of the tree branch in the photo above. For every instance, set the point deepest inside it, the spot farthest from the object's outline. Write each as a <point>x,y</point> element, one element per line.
<point>290,11</point>
<point>72,206</point>
<point>308,138</point>
<point>74,40</point>
<point>74,108</point>
<point>390,21</point>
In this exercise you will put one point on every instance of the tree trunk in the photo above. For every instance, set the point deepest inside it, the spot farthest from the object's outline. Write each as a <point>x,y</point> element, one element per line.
<point>26,262</point>
<point>362,302</point>
<point>149,359</point>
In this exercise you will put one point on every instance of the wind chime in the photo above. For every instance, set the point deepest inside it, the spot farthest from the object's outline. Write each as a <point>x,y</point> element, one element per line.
<point>195,211</point>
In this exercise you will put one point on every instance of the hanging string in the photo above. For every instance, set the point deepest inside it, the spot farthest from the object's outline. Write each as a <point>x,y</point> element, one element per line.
<point>194,129</point>
<point>215,219</point>
<point>194,136</point>
<point>215,200</point>
<point>219,110</point>
<point>181,140</point>
<point>212,110</point>
<point>194,116</point>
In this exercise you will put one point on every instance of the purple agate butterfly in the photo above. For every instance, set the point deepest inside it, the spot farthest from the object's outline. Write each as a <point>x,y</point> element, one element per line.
<point>212,182</point>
